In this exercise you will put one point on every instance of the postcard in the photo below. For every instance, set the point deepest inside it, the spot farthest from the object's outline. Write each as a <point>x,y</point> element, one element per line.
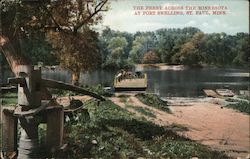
<point>124,79</point>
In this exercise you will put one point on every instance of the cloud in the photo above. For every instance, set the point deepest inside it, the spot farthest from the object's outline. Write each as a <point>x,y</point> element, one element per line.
<point>121,18</point>
<point>191,23</point>
<point>205,24</point>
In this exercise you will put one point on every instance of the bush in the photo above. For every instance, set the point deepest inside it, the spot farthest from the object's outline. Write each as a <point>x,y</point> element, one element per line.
<point>242,106</point>
<point>9,99</point>
<point>113,132</point>
<point>143,111</point>
<point>153,100</point>
<point>98,89</point>
<point>150,58</point>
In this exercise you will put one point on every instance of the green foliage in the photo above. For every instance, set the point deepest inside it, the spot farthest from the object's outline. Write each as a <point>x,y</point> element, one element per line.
<point>244,97</point>
<point>116,58</point>
<point>150,58</point>
<point>170,41</point>
<point>42,133</point>
<point>113,43</point>
<point>153,100</point>
<point>98,89</point>
<point>117,42</point>
<point>123,99</point>
<point>143,111</point>
<point>67,25</point>
<point>37,49</point>
<point>141,45</point>
<point>111,141</point>
<point>242,106</point>
<point>187,46</point>
<point>80,53</point>
<point>177,127</point>
<point>9,99</point>
<point>183,149</point>
<point>243,51</point>
<point>232,100</point>
<point>191,52</point>
<point>113,132</point>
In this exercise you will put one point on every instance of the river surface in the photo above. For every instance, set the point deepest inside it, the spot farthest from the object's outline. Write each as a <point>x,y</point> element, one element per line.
<point>166,83</point>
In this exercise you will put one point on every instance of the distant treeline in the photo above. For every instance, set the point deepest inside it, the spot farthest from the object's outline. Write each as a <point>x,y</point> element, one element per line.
<point>188,46</point>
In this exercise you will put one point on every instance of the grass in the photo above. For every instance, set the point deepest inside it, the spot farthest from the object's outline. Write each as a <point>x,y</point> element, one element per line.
<point>123,99</point>
<point>98,89</point>
<point>153,100</point>
<point>9,99</point>
<point>242,106</point>
<point>177,127</point>
<point>113,132</point>
<point>232,100</point>
<point>143,111</point>
<point>244,97</point>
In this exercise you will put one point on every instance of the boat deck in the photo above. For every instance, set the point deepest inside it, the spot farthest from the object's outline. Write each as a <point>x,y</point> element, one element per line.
<point>212,93</point>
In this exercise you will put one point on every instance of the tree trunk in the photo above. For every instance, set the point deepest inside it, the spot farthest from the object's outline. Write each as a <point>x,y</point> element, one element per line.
<point>75,78</point>
<point>13,58</point>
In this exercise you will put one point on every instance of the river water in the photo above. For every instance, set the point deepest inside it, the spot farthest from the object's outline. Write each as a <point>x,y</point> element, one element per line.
<point>166,83</point>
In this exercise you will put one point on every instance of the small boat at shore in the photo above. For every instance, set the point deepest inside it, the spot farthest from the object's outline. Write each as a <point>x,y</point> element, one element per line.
<point>225,92</point>
<point>130,81</point>
<point>218,93</point>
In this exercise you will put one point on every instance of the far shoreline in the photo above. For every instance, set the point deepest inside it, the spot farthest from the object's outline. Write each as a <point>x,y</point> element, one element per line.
<point>180,67</point>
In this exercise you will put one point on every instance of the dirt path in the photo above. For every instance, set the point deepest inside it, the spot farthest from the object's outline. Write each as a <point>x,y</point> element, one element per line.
<point>220,128</point>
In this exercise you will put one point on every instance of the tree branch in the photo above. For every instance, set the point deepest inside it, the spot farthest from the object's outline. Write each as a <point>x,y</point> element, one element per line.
<point>88,8</point>
<point>52,17</point>
<point>57,25</point>
<point>97,9</point>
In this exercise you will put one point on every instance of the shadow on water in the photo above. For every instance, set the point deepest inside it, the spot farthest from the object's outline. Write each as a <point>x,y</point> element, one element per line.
<point>171,83</point>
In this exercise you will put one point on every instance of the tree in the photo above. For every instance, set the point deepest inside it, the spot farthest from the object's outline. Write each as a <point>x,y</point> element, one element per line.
<point>220,49</point>
<point>169,42</point>
<point>191,52</point>
<point>142,44</point>
<point>117,46</point>
<point>243,48</point>
<point>107,34</point>
<point>150,58</point>
<point>66,23</point>
<point>80,53</point>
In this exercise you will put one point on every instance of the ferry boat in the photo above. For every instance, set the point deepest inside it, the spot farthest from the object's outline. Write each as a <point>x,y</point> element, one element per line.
<point>130,81</point>
<point>225,92</point>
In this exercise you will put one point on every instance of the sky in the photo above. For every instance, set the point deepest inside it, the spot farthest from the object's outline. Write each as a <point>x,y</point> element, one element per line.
<point>121,16</point>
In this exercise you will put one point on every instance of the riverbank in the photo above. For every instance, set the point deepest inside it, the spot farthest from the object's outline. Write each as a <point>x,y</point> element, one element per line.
<point>139,129</point>
<point>206,120</point>
<point>160,66</point>
<point>119,130</point>
<point>178,67</point>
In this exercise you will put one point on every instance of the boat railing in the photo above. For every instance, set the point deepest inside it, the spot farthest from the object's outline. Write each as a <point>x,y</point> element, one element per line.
<point>129,75</point>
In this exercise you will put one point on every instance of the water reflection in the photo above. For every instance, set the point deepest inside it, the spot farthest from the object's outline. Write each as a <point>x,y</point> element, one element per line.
<point>183,83</point>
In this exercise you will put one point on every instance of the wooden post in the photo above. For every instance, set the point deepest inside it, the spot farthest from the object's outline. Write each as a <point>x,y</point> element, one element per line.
<point>9,136</point>
<point>55,121</point>
<point>29,95</point>
<point>28,144</point>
